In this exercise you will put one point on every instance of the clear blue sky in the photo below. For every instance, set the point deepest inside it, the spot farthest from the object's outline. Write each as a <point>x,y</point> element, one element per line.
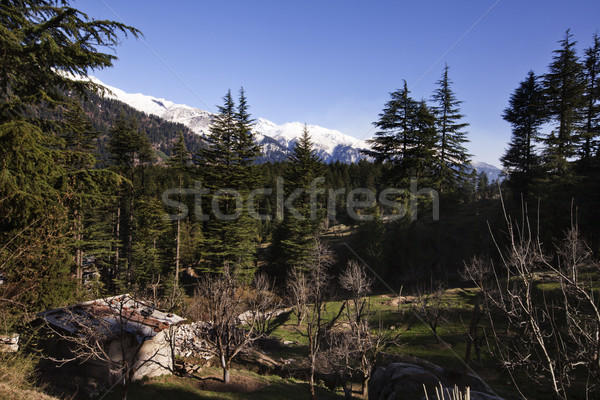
<point>333,63</point>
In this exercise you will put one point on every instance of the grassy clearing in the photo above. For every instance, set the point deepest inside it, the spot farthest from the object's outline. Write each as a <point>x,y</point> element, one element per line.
<point>416,339</point>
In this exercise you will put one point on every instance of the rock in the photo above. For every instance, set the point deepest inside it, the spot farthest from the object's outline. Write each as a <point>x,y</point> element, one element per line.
<point>9,343</point>
<point>404,381</point>
<point>187,342</point>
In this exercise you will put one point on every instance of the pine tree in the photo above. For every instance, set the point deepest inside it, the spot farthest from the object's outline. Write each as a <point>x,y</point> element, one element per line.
<point>422,152</point>
<point>526,114</point>
<point>390,142</point>
<point>246,147</point>
<point>151,244</point>
<point>295,237</point>
<point>81,139</point>
<point>129,147</point>
<point>564,86</point>
<point>406,137</point>
<point>453,156</point>
<point>591,122</point>
<point>226,164</point>
<point>42,44</point>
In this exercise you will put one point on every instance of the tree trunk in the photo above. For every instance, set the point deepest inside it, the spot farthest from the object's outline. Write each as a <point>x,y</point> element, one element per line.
<point>365,386</point>
<point>78,227</point>
<point>226,366</point>
<point>130,235</point>
<point>177,241</point>
<point>117,238</point>
<point>471,338</point>
<point>311,383</point>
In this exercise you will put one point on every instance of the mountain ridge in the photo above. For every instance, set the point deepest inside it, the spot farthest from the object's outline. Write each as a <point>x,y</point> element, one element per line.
<point>275,140</point>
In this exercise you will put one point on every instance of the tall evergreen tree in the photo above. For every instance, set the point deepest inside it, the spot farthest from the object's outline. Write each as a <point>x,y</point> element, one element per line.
<point>406,137</point>
<point>453,156</point>
<point>526,114</point>
<point>226,164</point>
<point>80,141</point>
<point>41,43</point>
<point>129,147</point>
<point>180,161</point>
<point>246,146</point>
<point>295,238</point>
<point>564,87</point>
<point>591,122</point>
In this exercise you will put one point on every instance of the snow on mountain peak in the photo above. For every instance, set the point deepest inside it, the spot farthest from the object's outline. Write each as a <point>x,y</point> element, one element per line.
<point>331,145</point>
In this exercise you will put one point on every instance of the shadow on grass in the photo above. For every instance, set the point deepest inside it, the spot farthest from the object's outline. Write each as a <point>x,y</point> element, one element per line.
<point>186,389</point>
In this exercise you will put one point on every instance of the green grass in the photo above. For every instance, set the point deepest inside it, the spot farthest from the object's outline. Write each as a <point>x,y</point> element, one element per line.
<point>180,388</point>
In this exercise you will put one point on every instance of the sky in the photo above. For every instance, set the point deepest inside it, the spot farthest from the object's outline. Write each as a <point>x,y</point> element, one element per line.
<point>333,63</point>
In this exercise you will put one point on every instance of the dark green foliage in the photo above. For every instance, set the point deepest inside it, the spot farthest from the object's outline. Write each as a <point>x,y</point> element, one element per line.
<point>526,114</point>
<point>452,154</point>
<point>42,42</point>
<point>564,86</point>
<point>33,255</point>
<point>128,145</point>
<point>406,139</point>
<point>370,242</point>
<point>152,243</point>
<point>80,137</point>
<point>28,170</point>
<point>226,168</point>
<point>590,128</point>
<point>294,239</point>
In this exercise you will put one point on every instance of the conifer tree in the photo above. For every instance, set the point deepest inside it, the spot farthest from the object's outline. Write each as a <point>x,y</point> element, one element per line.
<point>226,165</point>
<point>246,147</point>
<point>43,43</point>
<point>564,86</point>
<point>129,147</point>
<point>80,140</point>
<point>295,238</point>
<point>526,114</point>
<point>406,137</point>
<point>452,154</point>
<point>180,161</point>
<point>390,142</point>
<point>591,121</point>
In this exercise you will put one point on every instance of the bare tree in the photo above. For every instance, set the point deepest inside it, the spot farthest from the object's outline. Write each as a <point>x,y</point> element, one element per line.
<point>263,305</point>
<point>234,316</point>
<point>548,334</point>
<point>431,307</point>
<point>362,343</point>
<point>308,288</point>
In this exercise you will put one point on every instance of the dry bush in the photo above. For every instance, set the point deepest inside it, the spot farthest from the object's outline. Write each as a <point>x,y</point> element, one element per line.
<point>551,335</point>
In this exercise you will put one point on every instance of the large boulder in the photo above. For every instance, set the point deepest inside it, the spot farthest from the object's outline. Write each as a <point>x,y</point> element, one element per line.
<point>405,381</point>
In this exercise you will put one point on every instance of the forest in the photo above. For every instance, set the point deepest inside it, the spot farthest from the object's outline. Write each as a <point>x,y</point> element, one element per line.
<point>409,252</point>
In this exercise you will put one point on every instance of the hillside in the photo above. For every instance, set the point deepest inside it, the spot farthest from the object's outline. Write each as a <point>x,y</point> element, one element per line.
<point>104,112</point>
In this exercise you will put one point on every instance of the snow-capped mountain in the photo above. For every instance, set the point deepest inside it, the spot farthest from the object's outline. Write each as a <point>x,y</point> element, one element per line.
<point>493,173</point>
<point>275,140</point>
